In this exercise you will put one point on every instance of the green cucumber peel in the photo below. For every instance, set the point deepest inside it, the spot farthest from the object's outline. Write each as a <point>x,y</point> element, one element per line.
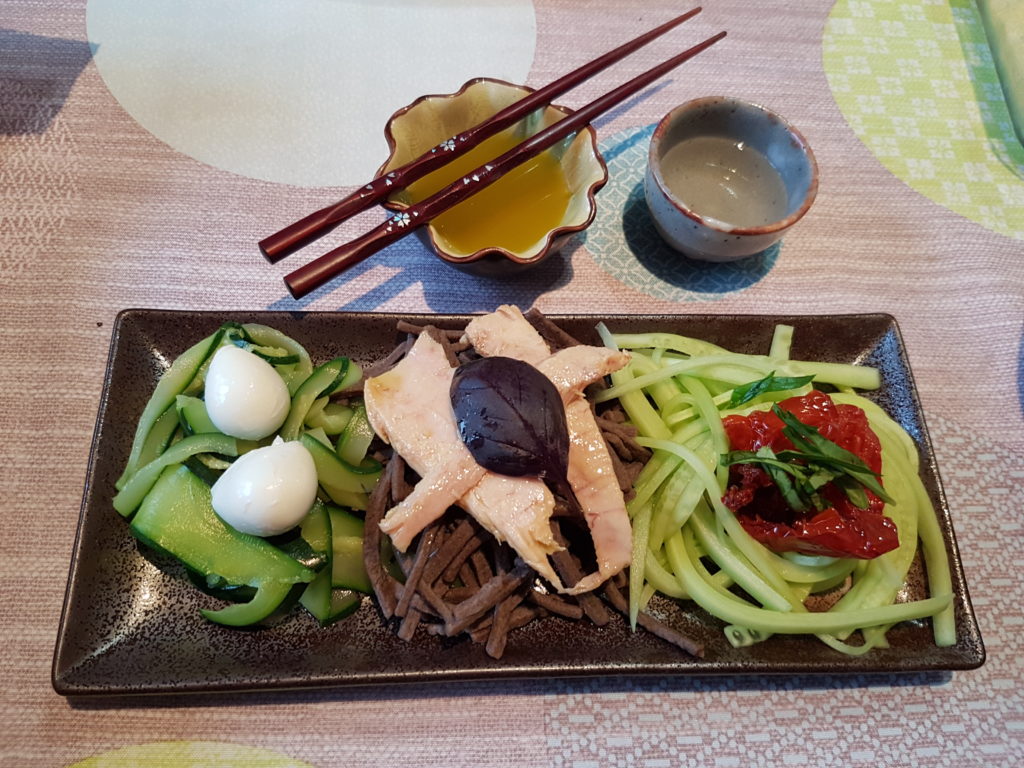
<point>134,491</point>
<point>239,335</point>
<point>176,380</point>
<point>267,337</point>
<point>326,379</point>
<point>268,598</point>
<point>331,417</point>
<point>161,435</point>
<point>355,440</point>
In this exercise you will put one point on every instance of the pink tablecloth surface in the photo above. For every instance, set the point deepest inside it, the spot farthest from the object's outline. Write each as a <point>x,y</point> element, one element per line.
<point>97,215</point>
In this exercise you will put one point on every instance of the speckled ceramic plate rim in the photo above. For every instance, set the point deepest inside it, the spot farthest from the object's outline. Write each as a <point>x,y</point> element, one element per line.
<point>642,655</point>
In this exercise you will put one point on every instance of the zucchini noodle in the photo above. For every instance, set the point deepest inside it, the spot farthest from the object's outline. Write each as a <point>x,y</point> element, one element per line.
<point>689,545</point>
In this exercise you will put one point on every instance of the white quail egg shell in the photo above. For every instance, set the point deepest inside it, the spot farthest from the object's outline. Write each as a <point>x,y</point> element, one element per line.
<point>245,396</point>
<point>267,491</point>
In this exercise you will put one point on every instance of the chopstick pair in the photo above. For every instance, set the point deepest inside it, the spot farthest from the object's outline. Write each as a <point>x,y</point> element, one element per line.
<point>309,277</point>
<point>291,238</point>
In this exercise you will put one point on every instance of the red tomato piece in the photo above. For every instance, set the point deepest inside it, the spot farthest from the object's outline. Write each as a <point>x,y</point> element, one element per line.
<point>841,530</point>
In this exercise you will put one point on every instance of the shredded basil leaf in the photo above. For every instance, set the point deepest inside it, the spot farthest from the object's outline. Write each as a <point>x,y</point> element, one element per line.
<point>815,461</point>
<point>770,383</point>
<point>823,451</point>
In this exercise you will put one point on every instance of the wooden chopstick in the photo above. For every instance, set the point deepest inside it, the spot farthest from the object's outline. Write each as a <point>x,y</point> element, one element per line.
<point>280,244</point>
<point>320,270</point>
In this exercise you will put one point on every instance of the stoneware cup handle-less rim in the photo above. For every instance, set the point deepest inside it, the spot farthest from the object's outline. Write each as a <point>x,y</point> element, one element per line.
<point>702,237</point>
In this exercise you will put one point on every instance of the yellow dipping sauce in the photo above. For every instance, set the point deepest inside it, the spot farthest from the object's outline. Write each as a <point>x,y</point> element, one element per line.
<point>513,213</point>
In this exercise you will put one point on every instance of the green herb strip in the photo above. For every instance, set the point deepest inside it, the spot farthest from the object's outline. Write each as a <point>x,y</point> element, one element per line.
<point>770,383</point>
<point>814,462</point>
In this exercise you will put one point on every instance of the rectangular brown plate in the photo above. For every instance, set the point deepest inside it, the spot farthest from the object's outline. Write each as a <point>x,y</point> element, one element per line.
<point>131,622</point>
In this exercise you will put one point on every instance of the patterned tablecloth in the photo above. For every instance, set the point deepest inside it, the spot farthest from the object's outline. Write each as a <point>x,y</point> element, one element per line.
<point>145,148</point>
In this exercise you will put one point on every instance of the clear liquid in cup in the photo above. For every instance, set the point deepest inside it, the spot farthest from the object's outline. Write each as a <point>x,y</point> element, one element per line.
<point>725,180</point>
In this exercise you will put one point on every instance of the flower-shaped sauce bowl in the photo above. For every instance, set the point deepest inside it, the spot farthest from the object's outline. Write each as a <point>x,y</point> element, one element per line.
<point>523,217</point>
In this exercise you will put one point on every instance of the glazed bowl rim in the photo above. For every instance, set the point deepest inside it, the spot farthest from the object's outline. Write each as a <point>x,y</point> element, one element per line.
<point>654,163</point>
<point>553,235</point>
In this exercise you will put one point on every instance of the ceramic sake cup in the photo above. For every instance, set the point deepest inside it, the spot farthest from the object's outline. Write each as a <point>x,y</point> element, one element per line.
<point>702,202</point>
<point>429,122</point>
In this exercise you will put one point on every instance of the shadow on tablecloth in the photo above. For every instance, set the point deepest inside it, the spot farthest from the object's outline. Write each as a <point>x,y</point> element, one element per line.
<point>586,686</point>
<point>36,76</point>
<point>410,265</point>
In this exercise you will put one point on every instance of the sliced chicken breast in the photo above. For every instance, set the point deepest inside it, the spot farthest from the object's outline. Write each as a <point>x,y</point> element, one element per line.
<point>410,408</point>
<point>591,473</point>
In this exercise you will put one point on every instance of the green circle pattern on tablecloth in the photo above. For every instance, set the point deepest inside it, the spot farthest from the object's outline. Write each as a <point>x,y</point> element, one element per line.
<point>917,84</point>
<point>624,242</point>
<point>190,754</point>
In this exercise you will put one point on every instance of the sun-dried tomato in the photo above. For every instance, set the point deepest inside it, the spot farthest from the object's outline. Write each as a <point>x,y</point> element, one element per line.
<point>842,529</point>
